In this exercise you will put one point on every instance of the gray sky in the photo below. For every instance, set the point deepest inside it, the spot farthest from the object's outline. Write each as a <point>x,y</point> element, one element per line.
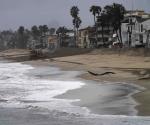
<point>14,13</point>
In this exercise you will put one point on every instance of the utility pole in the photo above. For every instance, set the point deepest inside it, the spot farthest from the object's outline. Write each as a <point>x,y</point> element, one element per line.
<point>130,24</point>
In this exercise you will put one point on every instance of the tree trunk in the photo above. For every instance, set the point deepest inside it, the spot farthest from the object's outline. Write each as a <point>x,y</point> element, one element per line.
<point>117,36</point>
<point>94,20</point>
<point>75,35</point>
<point>120,33</point>
<point>103,35</point>
<point>115,30</point>
<point>96,37</point>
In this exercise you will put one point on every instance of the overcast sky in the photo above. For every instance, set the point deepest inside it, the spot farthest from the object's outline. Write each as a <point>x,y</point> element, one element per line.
<point>14,13</point>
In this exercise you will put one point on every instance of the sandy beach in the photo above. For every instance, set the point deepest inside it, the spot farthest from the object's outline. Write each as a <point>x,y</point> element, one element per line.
<point>61,91</point>
<point>127,68</point>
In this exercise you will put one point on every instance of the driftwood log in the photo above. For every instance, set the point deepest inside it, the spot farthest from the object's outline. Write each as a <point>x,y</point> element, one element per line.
<point>96,74</point>
<point>144,78</point>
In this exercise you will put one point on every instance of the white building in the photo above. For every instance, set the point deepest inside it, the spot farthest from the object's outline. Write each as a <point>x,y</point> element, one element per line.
<point>134,30</point>
<point>140,13</point>
<point>146,27</point>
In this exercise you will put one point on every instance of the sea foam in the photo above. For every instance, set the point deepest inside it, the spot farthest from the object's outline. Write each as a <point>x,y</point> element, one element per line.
<point>26,91</point>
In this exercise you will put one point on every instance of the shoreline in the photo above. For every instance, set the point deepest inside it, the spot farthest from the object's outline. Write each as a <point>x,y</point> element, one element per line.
<point>85,76</point>
<point>127,68</point>
<point>95,108</point>
<point>127,75</point>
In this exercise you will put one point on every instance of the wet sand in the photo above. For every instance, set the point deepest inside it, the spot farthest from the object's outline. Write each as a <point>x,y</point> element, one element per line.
<point>143,98</point>
<point>128,68</point>
<point>100,97</point>
<point>106,98</point>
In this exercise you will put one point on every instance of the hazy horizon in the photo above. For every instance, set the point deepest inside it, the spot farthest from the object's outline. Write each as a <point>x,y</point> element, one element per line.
<point>54,13</point>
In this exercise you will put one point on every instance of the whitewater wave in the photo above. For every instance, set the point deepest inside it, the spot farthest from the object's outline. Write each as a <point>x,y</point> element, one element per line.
<point>19,90</point>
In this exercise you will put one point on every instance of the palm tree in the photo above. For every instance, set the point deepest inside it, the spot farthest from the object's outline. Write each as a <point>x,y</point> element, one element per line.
<point>77,22</point>
<point>45,29</point>
<point>95,10</point>
<point>74,11</point>
<point>52,31</point>
<point>102,20</point>
<point>21,30</point>
<point>119,12</point>
<point>116,13</point>
<point>41,30</point>
<point>21,37</point>
<point>108,16</point>
<point>61,32</point>
<point>35,32</point>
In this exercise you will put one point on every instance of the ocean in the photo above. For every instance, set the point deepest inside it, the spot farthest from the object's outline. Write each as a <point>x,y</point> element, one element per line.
<point>30,96</point>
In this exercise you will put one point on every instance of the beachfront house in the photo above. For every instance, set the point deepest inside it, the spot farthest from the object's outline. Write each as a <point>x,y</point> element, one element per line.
<point>139,13</point>
<point>36,43</point>
<point>52,43</point>
<point>69,40</point>
<point>134,31</point>
<point>66,38</point>
<point>83,38</point>
<point>7,40</point>
<point>86,38</point>
<point>49,42</point>
<point>135,28</point>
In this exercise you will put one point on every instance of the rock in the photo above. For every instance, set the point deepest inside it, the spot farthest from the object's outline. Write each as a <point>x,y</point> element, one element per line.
<point>47,60</point>
<point>146,77</point>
